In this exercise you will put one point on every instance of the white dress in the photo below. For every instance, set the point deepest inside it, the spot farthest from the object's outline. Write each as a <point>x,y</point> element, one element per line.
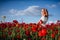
<point>44,19</point>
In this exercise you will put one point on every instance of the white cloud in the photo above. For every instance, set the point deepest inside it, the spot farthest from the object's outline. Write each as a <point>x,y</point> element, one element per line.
<point>31,10</point>
<point>13,11</point>
<point>51,6</point>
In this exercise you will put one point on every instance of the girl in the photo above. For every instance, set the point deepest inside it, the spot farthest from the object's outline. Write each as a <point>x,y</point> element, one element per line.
<point>44,17</point>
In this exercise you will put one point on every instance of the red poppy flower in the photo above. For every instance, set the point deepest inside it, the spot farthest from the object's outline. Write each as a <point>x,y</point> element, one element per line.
<point>27,33</point>
<point>26,26</point>
<point>15,21</point>
<point>42,32</point>
<point>3,25</point>
<point>53,35</point>
<point>56,31</point>
<point>52,26</point>
<point>9,24</point>
<point>9,33</point>
<point>47,26</point>
<point>17,31</point>
<point>13,24</point>
<point>30,24</point>
<point>18,36</point>
<point>18,25</point>
<point>34,28</point>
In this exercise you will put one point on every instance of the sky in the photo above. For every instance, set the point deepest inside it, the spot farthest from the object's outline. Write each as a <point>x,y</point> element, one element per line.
<point>29,11</point>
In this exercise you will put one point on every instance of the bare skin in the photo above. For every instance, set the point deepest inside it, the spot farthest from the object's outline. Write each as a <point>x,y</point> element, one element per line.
<point>44,12</point>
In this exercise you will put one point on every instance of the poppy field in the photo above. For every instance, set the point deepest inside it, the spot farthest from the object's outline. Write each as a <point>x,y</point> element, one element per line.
<point>32,31</point>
